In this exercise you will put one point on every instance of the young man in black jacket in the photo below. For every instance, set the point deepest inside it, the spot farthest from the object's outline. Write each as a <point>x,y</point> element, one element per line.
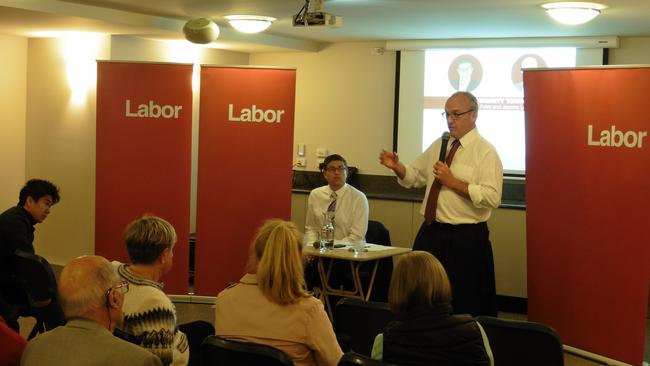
<point>17,233</point>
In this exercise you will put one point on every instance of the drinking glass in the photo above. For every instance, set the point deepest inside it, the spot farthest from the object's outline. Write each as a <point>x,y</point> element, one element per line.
<point>358,247</point>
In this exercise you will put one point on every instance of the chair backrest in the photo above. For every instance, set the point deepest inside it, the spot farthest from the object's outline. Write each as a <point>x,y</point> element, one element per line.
<point>377,233</point>
<point>516,342</point>
<point>35,276</point>
<point>355,359</point>
<point>358,322</point>
<point>218,351</point>
<point>196,332</point>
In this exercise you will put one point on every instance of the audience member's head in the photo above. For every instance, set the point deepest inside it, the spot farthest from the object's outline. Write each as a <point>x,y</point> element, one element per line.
<point>90,288</point>
<point>150,241</point>
<point>37,196</point>
<point>37,188</point>
<point>278,252</point>
<point>418,281</point>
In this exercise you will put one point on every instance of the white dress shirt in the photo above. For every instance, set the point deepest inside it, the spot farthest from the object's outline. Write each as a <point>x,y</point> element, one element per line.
<point>477,163</point>
<point>350,215</point>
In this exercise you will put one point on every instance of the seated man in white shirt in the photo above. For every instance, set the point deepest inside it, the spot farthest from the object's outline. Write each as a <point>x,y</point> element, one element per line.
<point>349,206</point>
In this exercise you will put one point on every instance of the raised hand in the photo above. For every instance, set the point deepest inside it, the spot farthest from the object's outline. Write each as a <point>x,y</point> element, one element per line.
<point>389,159</point>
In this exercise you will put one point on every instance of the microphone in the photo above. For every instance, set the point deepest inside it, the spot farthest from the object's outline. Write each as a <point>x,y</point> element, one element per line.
<point>443,147</point>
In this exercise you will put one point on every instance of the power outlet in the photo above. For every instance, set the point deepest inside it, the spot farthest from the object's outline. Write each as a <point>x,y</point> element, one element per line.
<point>301,163</point>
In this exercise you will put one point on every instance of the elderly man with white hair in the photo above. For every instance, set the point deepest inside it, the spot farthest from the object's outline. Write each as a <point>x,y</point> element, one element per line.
<point>91,295</point>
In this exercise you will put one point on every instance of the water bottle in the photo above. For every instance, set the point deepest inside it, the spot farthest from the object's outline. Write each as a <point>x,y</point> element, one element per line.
<point>327,232</point>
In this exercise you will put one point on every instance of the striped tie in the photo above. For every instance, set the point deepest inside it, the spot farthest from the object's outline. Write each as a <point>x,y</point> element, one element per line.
<point>332,206</point>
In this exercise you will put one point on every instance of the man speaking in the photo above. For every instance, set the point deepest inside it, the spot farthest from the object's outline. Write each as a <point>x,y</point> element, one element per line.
<point>462,190</point>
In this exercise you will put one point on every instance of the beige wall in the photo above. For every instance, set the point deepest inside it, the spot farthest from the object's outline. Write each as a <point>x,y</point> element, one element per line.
<point>344,101</point>
<point>61,146</point>
<point>126,48</point>
<point>61,132</point>
<point>13,74</point>
<point>632,51</point>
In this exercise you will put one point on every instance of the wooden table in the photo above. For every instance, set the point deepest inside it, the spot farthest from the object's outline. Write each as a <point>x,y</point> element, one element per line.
<point>372,252</point>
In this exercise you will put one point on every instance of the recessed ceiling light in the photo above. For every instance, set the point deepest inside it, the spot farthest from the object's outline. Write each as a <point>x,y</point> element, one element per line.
<point>249,23</point>
<point>573,13</point>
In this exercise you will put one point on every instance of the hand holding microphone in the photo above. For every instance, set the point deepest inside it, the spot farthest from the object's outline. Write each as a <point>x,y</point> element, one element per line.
<point>440,165</point>
<point>443,146</point>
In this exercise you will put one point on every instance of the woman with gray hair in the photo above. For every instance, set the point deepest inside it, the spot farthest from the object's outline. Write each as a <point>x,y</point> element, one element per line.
<point>149,314</point>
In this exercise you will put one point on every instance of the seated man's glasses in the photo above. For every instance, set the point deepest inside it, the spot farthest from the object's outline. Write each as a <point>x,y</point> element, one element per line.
<point>340,169</point>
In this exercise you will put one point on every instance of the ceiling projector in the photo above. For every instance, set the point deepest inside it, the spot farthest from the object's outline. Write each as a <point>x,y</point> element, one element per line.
<point>201,31</point>
<point>311,15</point>
<point>317,19</point>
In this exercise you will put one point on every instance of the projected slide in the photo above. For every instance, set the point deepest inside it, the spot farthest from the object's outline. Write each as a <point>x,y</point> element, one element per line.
<point>494,76</point>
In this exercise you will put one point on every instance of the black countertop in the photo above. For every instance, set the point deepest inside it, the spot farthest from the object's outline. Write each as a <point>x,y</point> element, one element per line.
<point>386,188</point>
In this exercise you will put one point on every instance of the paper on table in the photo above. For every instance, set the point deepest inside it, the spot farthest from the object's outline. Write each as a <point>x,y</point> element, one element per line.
<point>368,246</point>
<point>376,247</point>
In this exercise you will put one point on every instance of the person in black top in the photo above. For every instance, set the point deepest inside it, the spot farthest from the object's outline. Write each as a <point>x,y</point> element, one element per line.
<point>426,332</point>
<point>17,233</point>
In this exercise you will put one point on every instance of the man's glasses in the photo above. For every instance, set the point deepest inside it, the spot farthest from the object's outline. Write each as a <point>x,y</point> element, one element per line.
<point>454,115</point>
<point>336,170</point>
<point>122,287</point>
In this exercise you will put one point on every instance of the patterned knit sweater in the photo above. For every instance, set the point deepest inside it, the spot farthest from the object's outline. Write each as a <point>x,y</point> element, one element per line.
<point>150,316</point>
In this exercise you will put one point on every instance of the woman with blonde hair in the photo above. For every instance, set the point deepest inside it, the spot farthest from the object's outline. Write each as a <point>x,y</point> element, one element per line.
<point>426,332</point>
<point>271,305</point>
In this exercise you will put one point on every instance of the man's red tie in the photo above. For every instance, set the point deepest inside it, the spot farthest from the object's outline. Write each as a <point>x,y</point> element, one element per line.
<point>432,201</point>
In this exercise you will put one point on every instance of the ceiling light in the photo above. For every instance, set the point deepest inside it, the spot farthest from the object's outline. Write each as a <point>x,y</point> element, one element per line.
<point>201,30</point>
<point>249,23</point>
<point>573,13</point>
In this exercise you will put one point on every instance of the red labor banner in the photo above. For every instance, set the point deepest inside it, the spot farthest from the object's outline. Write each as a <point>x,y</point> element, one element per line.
<point>587,191</point>
<point>144,134</point>
<point>244,167</point>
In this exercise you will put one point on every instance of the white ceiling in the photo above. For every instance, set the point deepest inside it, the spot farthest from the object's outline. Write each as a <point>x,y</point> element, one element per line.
<point>363,20</point>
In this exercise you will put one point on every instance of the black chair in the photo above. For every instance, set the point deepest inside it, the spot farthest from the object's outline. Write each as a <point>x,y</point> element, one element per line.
<point>355,359</point>
<point>357,323</point>
<point>35,277</point>
<point>217,351</point>
<point>196,332</point>
<point>516,342</point>
<point>378,234</point>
